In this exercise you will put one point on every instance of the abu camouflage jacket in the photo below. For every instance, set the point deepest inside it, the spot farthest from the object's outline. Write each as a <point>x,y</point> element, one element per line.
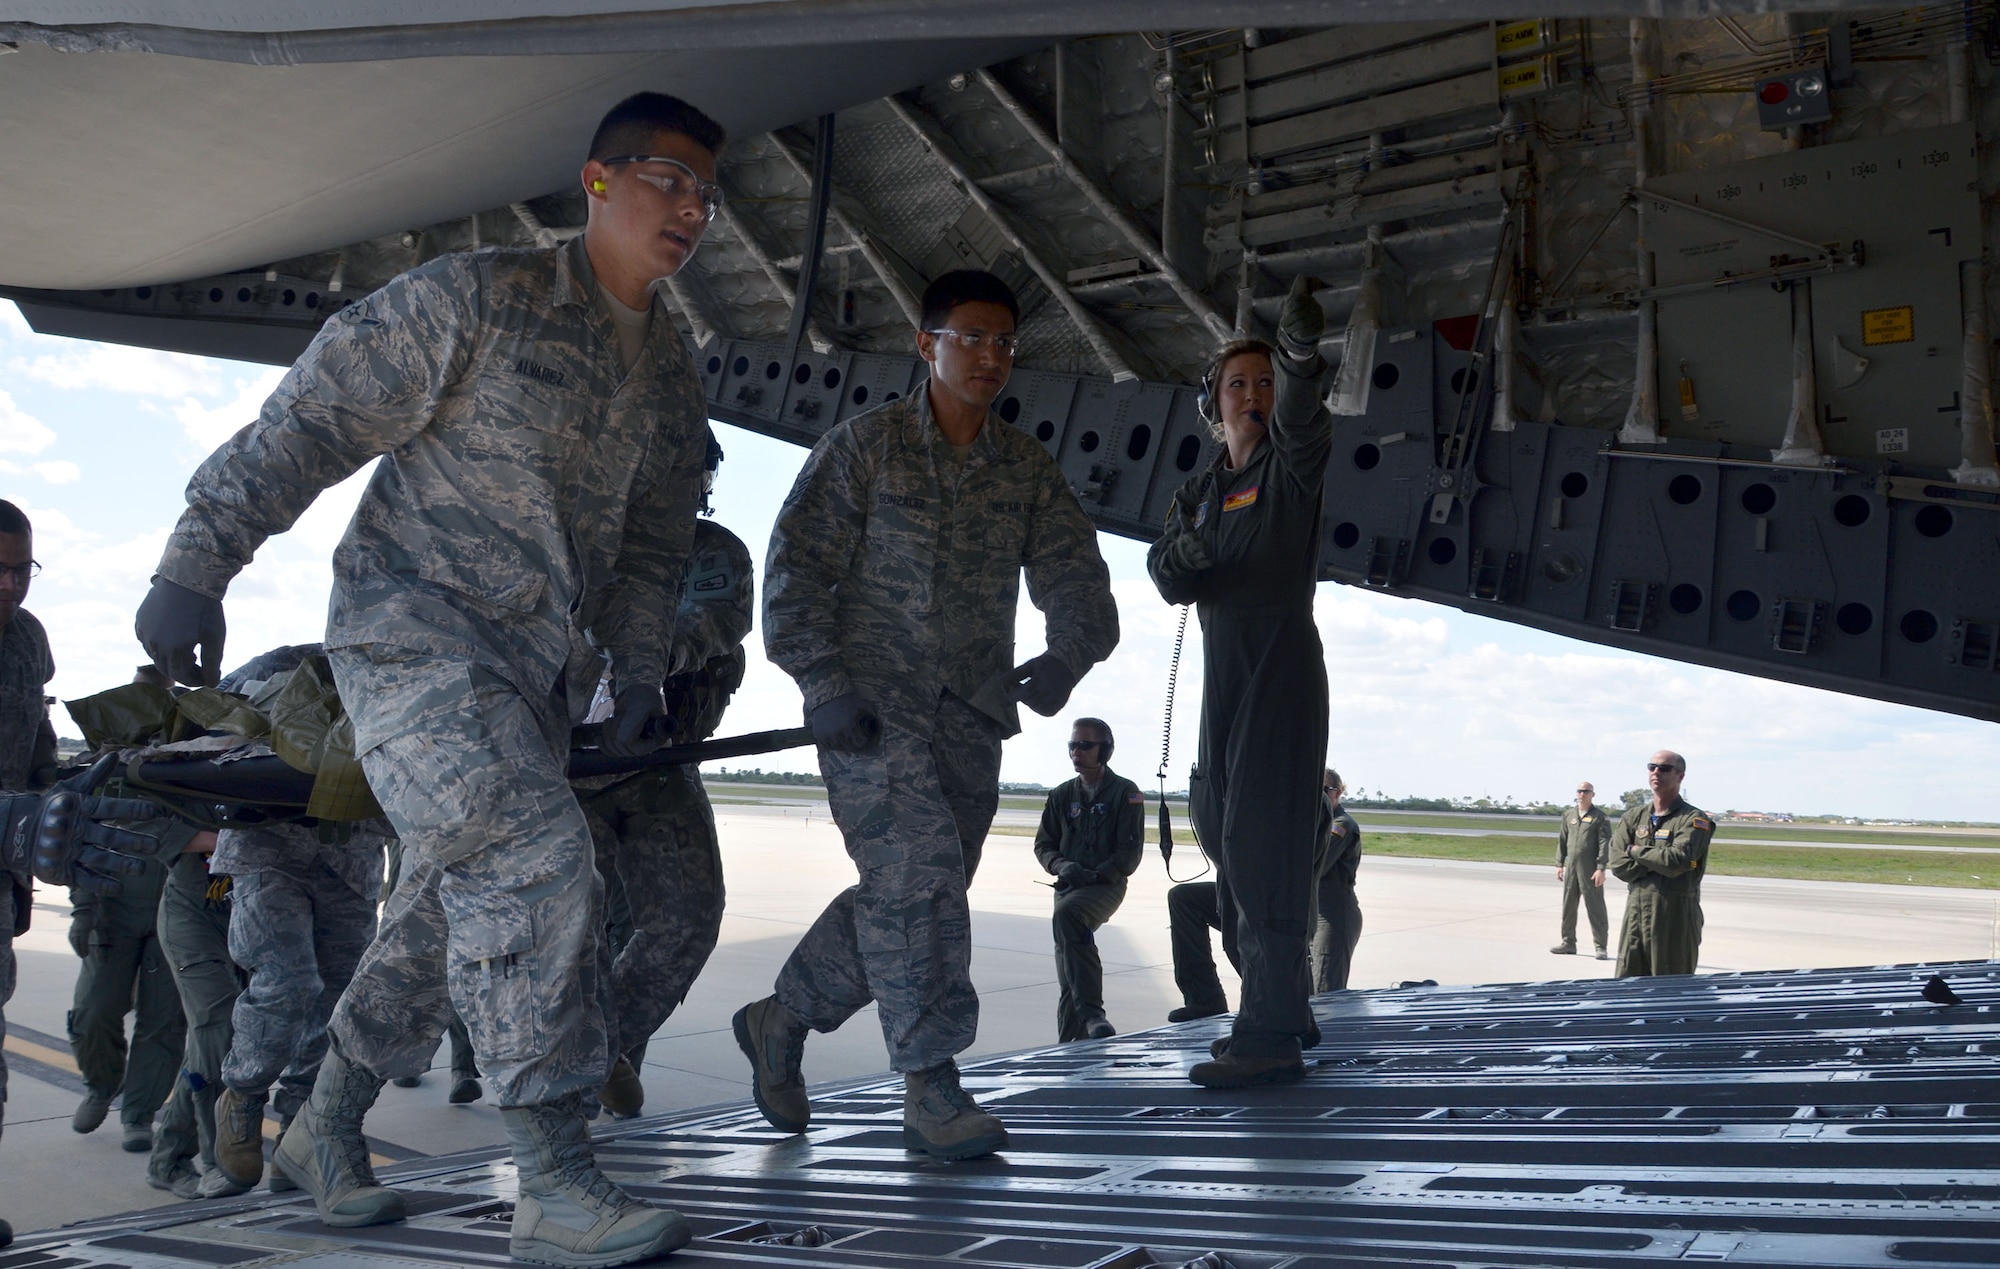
<point>894,573</point>
<point>527,482</point>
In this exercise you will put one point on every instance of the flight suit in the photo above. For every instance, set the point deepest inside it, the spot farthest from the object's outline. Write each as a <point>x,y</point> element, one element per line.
<point>654,831</point>
<point>27,744</point>
<point>1192,911</point>
<point>895,572</point>
<point>1661,859</point>
<point>125,971</point>
<point>304,902</point>
<point>1337,924</point>
<point>1243,546</point>
<point>1583,847</point>
<point>194,937</point>
<point>527,483</point>
<point>1104,832</point>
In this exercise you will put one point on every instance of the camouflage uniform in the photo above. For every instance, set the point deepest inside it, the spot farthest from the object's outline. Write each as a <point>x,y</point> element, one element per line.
<point>1243,546</point>
<point>194,935</point>
<point>1337,913</point>
<point>125,972</point>
<point>1583,847</point>
<point>527,484</point>
<point>27,743</point>
<point>1661,858</point>
<point>304,912</point>
<point>654,832</point>
<point>463,1064</point>
<point>895,572</point>
<point>1105,832</point>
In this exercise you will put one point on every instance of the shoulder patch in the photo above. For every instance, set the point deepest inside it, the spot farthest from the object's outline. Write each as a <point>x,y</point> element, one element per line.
<point>1339,829</point>
<point>1135,798</point>
<point>1704,823</point>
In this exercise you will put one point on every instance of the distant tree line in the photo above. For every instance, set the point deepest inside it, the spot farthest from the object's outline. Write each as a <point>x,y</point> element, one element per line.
<point>757,775</point>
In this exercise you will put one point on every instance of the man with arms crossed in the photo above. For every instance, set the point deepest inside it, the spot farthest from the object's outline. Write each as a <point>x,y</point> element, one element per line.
<point>1660,850</point>
<point>889,594</point>
<point>543,430</point>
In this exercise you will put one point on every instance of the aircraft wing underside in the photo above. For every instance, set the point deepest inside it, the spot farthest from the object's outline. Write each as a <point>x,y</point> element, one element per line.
<point>1631,348</point>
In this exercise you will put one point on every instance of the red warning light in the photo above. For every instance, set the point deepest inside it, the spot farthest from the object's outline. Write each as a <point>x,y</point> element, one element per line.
<point>1774,92</point>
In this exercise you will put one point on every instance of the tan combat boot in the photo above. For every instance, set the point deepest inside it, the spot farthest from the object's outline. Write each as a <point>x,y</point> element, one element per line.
<point>941,1119</point>
<point>774,1040</point>
<point>239,1136</point>
<point>623,1095</point>
<point>326,1154</point>
<point>568,1212</point>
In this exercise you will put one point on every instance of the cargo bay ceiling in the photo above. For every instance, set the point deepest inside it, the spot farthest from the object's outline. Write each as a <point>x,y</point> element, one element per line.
<point>1667,329</point>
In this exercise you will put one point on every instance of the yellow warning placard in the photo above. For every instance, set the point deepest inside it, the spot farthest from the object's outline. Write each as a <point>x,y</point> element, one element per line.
<point>1519,37</point>
<point>1889,325</point>
<point>1525,78</point>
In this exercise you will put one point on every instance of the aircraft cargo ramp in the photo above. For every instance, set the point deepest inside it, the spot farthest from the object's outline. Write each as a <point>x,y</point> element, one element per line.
<point>1826,1117</point>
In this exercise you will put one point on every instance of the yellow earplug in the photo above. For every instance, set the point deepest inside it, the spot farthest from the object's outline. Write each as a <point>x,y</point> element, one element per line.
<point>598,186</point>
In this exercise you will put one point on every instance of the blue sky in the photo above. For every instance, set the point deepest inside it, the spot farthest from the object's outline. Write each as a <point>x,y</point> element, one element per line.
<point>97,442</point>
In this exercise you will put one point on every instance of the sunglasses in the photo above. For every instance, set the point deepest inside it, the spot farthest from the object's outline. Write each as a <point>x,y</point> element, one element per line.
<point>1076,746</point>
<point>1661,766</point>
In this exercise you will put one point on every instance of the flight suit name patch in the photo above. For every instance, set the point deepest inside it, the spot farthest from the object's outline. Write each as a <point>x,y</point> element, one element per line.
<point>901,500</point>
<point>1241,498</point>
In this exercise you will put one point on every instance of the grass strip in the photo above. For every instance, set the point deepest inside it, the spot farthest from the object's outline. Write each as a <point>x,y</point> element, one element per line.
<point>1964,871</point>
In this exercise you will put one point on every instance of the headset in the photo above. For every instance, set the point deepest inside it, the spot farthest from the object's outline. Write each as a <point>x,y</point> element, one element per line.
<point>1204,403</point>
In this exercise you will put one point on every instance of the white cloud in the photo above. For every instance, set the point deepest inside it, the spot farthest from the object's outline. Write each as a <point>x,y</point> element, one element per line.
<point>209,426</point>
<point>59,473</point>
<point>21,432</point>
<point>76,365</point>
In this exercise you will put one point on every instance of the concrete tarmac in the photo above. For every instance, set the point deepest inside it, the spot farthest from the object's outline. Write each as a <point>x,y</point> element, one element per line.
<point>1457,923</point>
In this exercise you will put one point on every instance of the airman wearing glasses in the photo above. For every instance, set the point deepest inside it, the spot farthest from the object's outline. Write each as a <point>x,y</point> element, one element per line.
<point>890,594</point>
<point>1092,832</point>
<point>27,741</point>
<point>538,429</point>
<point>1583,844</point>
<point>1660,850</point>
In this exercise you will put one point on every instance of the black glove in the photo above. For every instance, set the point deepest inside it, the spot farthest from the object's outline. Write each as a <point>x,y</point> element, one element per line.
<point>638,723</point>
<point>82,922</point>
<point>846,723</point>
<point>171,622</point>
<point>63,836</point>
<point>1300,321</point>
<point>1043,684</point>
<point>1070,874</point>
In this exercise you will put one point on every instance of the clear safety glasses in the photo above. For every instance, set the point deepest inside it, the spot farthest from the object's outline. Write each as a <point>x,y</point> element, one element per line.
<point>676,180</point>
<point>974,340</point>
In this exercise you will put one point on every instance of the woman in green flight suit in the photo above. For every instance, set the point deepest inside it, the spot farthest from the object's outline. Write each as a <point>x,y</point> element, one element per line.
<point>1242,544</point>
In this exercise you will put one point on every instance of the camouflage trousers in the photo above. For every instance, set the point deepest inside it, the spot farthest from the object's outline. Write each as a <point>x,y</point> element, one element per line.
<point>126,972</point>
<point>8,893</point>
<point>1661,935</point>
<point>499,912</point>
<point>298,933</point>
<point>194,937</point>
<point>662,866</point>
<point>914,811</point>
